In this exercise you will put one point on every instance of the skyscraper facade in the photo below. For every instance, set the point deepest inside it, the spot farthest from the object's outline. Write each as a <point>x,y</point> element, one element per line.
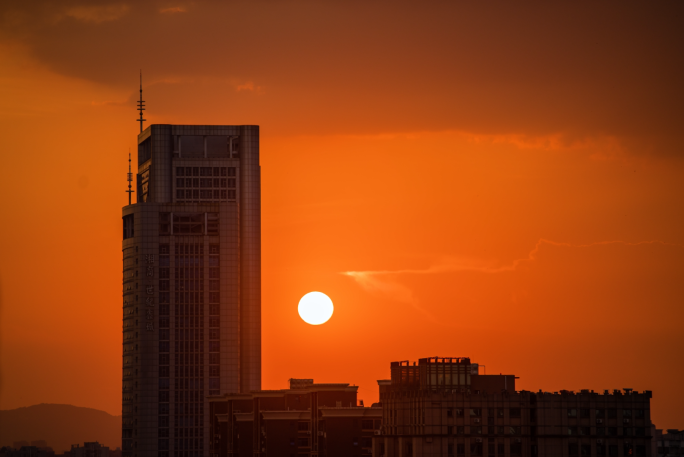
<point>191,284</point>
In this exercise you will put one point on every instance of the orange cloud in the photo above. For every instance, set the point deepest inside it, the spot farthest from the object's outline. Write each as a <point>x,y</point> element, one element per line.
<point>97,14</point>
<point>173,9</point>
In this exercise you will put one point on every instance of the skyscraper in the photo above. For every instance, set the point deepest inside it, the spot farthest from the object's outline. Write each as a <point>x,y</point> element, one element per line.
<point>191,284</point>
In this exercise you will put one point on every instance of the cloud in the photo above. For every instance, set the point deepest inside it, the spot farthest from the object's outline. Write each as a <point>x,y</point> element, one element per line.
<point>249,86</point>
<point>173,10</point>
<point>97,14</point>
<point>387,283</point>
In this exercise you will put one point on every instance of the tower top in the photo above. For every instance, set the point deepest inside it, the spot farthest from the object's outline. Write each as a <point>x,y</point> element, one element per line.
<point>130,178</point>
<point>141,106</point>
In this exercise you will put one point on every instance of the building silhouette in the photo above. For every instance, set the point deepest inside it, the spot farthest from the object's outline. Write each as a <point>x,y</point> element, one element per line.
<point>89,449</point>
<point>307,419</point>
<point>668,443</point>
<point>191,284</point>
<point>443,407</point>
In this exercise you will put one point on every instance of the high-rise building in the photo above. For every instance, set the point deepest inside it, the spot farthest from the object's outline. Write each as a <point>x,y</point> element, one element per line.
<point>191,284</point>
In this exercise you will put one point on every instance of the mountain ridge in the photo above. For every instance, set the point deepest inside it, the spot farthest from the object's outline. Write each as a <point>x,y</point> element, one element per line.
<point>60,425</point>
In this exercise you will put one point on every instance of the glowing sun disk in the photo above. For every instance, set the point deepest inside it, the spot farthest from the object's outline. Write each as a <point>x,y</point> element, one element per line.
<point>315,308</point>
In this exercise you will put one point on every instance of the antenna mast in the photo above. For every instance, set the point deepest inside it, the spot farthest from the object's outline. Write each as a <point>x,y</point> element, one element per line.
<point>130,178</point>
<point>141,106</point>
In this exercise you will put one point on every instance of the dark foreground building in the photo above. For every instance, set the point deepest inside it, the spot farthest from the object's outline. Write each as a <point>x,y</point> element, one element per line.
<point>191,284</point>
<point>441,407</point>
<point>305,420</point>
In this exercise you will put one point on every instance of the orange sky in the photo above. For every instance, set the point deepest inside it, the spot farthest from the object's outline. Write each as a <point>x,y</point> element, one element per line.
<point>492,181</point>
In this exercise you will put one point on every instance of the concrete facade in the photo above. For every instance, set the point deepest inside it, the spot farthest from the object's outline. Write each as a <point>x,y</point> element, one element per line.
<point>191,284</point>
<point>483,415</point>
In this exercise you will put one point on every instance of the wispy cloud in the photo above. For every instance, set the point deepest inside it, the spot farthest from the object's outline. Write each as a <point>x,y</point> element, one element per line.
<point>97,14</point>
<point>387,282</point>
<point>250,87</point>
<point>173,10</point>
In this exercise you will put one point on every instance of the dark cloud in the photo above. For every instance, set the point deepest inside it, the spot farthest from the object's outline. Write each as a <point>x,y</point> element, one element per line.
<point>579,70</point>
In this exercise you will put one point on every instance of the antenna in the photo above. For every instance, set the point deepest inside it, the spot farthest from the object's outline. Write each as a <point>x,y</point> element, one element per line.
<point>141,105</point>
<point>130,177</point>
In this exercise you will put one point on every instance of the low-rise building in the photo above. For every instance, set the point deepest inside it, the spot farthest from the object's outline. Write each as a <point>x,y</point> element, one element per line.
<point>443,407</point>
<point>92,449</point>
<point>670,443</point>
<point>307,419</point>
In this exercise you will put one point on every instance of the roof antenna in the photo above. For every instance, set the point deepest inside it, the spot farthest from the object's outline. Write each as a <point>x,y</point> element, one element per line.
<point>141,106</point>
<point>130,177</point>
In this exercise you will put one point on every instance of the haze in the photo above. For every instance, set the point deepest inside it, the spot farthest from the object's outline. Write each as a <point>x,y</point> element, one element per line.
<point>498,181</point>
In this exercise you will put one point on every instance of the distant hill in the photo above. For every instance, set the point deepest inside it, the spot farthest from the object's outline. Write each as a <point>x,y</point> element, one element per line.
<point>59,425</point>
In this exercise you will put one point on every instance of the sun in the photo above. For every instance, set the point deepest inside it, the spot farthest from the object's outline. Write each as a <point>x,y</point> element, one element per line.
<point>315,308</point>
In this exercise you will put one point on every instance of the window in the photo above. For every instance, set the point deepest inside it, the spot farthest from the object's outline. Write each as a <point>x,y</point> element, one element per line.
<point>500,449</point>
<point>128,230</point>
<point>572,412</point>
<point>612,414</point>
<point>499,412</point>
<point>460,430</point>
<point>450,412</point>
<point>476,449</point>
<point>459,412</point>
<point>640,450</point>
<point>612,431</point>
<point>475,412</point>
<point>573,449</point>
<point>600,431</point>
<point>303,426</point>
<point>584,413</point>
<point>303,442</point>
<point>586,431</point>
<point>514,430</point>
<point>627,431</point>
<point>613,450</point>
<point>450,449</point>
<point>516,449</point>
<point>639,413</point>
<point>585,449</point>
<point>514,413</point>
<point>572,431</point>
<point>367,424</point>
<point>600,413</point>
<point>626,413</point>
<point>600,450</point>
<point>628,450</point>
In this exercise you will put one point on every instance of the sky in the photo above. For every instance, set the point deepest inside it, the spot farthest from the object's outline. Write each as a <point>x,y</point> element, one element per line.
<point>497,181</point>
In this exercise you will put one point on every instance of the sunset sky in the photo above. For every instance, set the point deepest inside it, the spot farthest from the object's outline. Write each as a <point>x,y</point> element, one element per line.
<point>493,180</point>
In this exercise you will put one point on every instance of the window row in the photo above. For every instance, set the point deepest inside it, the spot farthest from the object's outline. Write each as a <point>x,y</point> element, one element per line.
<point>610,413</point>
<point>205,171</point>
<point>205,183</point>
<point>187,194</point>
